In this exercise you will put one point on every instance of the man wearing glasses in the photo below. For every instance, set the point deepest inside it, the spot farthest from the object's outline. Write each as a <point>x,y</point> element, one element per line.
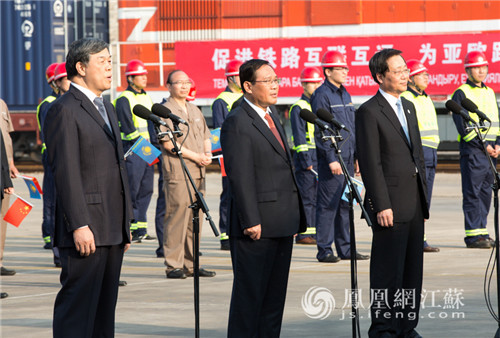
<point>390,155</point>
<point>197,152</point>
<point>332,213</point>
<point>265,211</point>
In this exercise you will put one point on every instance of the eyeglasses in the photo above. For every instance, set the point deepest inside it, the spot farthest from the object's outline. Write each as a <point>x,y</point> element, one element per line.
<point>405,71</point>
<point>270,82</point>
<point>182,83</point>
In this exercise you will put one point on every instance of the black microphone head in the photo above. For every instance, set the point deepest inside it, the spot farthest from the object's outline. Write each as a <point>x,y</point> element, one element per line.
<point>141,111</point>
<point>161,110</point>
<point>324,114</point>
<point>469,105</point>
<point>453,106</point>
<point>307,115</point>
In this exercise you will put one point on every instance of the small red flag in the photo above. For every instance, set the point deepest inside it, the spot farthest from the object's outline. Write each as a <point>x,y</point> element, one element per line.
<point>222,168</point>
<point>155,161</point>
<point>17,212</point>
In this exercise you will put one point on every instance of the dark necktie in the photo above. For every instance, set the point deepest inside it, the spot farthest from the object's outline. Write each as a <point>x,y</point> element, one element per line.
<point>272,126</point>
<point>102,110</point>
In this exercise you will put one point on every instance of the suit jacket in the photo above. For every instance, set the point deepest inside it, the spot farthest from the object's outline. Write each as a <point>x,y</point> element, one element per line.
<point>86,158</point>
<point>263,186</point>
<point>5,181</point>
<point>393,171</point>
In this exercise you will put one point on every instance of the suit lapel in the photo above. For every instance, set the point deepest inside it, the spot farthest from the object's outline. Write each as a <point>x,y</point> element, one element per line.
<point>392,117</point>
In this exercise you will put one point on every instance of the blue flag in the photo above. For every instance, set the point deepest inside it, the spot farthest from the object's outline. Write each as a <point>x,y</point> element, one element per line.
<point>359,186</point>
<point>145,150</point>
<point>215,139</point>
<point>33,186</point>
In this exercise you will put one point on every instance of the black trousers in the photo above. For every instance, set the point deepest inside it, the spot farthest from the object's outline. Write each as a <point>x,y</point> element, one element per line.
<point>85,305</point>
<point>260,271</point>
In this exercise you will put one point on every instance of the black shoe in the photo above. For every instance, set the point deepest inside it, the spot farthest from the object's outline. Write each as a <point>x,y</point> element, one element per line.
<point>7,272</point>
<point>479,244</point>
<point>176,273</point>
<point>48,246</point>
<point>359,257</point>
<point>122,283</point>
<point>4,295</point>
<point>330,258</point>
<point>137,238</point>
<point>58,264</point>
<point>492,241</point>
<point>224,245</point>
<point>160,255</point>
<point>148,237</point>
<point>203,273</point>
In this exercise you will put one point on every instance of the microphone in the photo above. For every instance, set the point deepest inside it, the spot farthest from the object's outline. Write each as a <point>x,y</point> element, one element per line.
<point>309,116</point>
<point>146,114</point>
<point>456,109</point>
<point>471,106</point>
<point>164,112</point>
<point>326,116</point>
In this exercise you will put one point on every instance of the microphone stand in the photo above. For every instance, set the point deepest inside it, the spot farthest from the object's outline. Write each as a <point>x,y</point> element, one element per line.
<point>353,195</point>
<point>196,206</point>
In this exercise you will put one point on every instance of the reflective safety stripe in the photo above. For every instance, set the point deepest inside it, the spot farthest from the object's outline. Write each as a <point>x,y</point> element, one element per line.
<point>49,99</point>
<point>142,225</point>
<point>224,236</point>
<point>476,232</point>
<point>47,239</point>
<point>44,146</point>
<point>141,125</point>
<point>311,143</point>
<point>309,231</point>
<point>133,226</point>
<point>229,97</point>
<point>485,100</point>
<point>427,118</point>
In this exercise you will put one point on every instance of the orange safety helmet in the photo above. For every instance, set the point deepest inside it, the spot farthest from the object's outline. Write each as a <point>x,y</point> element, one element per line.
<point>49,73</point>
<point>192,92</point>
<point>311,74</point>
<point>333,58</point>
<point>60,71</point>
<point>475,58</point>
<point>233,68</point>
<point>415,67</point>
<point>135,67</point>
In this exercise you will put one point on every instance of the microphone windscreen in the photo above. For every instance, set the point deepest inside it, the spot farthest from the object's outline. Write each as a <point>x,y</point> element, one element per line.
<point>141,111</point>
<point>161,110</point>
<point>324,114</point>
<point>453,106</point>
<point>469,105</point>
<point>307,115</point>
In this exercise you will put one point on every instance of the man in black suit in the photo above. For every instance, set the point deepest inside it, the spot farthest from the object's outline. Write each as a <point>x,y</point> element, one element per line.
<point>391,160</point>
<point>266,209</point>
<point>93,208</point>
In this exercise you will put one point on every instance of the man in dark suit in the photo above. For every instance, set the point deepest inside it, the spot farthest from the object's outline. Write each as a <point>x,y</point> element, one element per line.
<point>391,160</point>
<point>266,209</point>
<point>93,208</point>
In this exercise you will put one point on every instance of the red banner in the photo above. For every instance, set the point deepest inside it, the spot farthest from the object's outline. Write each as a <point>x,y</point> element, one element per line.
<point>442,54</point>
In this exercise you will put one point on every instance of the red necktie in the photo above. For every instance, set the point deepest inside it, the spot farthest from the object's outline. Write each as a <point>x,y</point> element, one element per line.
<point>272,126</point>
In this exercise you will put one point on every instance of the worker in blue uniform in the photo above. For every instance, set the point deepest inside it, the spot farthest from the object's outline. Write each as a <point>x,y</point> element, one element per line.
<point>332,213</point>
<point>427,125</point>
<point>48,185</point>
<point>140,174</point>
<point>304,156</point>
<point>477,177</point>
<point>220,109</point>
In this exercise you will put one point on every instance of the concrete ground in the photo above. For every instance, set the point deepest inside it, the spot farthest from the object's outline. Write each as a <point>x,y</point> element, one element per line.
<point>152,306</point>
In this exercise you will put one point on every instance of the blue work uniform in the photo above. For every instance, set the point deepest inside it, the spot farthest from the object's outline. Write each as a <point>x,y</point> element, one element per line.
<point>140,174</point>
<point>304,156</point>
<point>220,109</point>
<point>477,177</point>
<point>332,213</point>
<point>161,205</point>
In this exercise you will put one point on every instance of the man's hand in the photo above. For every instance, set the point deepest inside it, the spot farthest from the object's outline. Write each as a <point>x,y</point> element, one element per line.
<point>13,170</point>
<point>127,246</point>
<point>497,149</point>
<point>253,232</point>
<point>385,218</point>
<point>356,169</point>
<point>492,152</point>
<point>309,168</point>
<point>335,168</point>
<point>84,241</point>
<point>9,190</point>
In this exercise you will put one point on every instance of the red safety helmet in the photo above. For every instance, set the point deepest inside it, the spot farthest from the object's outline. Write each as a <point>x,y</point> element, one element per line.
<point>49,73</point>
<point>233,68</point>
<point>192,92</point>
<point>135,67</point>
<point>311,74</point>
<point>333,58</point>
<point>415,67</point>
<point>475,58</point>
<point>60,71</point>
